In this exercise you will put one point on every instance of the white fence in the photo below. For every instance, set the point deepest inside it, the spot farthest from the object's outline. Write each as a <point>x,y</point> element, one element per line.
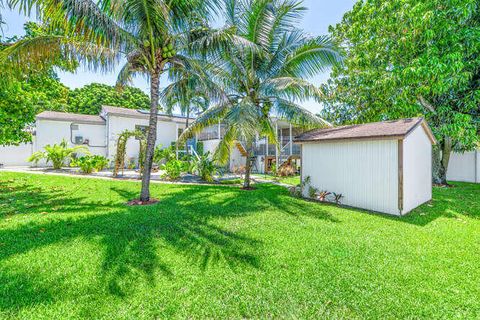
<point>464,167</point>
<point>16,155</point>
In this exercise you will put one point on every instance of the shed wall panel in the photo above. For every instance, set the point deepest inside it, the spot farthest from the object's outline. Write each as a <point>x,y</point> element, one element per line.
<point>365,172</point>
<point>417,170</point>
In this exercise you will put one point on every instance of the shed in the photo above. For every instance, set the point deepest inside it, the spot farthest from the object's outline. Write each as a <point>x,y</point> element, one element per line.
<point>383,166</point>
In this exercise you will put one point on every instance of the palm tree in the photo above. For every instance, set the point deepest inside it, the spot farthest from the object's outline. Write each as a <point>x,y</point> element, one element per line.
<point>187,93</point>
<point>265,79</point>
<point>151,35</point>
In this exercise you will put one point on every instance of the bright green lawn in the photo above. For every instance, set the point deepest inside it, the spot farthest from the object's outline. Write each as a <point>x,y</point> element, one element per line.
<point>294,180</point>
<point>70,248</point>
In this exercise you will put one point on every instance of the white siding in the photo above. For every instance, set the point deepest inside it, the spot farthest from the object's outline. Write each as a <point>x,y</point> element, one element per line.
<point>464,167</point>
<point>236,159</point>
<point>417,169</point>
<point>365,172</point>
<point>53,132</point>
<point>210,146</point>
<point>166,133</point>
<point>16,155</point>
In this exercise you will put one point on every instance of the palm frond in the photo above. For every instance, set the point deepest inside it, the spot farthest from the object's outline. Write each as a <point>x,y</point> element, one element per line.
<point>222,152</point>
<point>297,115</point>
<point>208,118</point>
<point>312,57</point>
<point>291,88</point>
<point>44,51</point>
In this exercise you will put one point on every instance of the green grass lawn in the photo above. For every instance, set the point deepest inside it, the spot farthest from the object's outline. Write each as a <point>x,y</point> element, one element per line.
<point>70,248</point>
<point>293,180</point>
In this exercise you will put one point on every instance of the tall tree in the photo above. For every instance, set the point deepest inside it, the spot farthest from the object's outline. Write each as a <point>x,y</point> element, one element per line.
<point>151,35</point>
<point>90,98</point>
<point>187,93</point>
<point>28,94</point>
<point>268,78</point>
<point>409,58</point>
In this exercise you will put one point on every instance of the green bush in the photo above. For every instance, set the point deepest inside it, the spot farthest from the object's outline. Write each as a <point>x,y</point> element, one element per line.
<point>204,167</point>
<point>166,154</point>
<point>89,164</point>
<point>58,154</point>
<point>173,169</point>
<point>200,147</point>
<point>100,163</point>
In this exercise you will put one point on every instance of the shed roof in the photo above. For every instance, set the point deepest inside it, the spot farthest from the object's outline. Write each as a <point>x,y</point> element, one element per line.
<point>71,117</point>
<point>396,129</point>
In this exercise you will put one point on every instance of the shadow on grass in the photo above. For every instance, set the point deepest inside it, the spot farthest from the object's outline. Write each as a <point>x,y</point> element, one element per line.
<point>461,199</point>
<point>188,220</point>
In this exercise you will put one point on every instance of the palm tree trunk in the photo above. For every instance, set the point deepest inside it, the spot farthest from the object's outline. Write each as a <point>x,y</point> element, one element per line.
<point>186,127</point>
<point>248,166</point>
<point>151,137</point>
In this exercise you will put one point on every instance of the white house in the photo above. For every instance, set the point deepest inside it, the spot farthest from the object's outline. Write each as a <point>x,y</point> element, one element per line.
<point>99,133</point>
<point>464,167</point>
<point>264,152</point>
<point>384,166</point>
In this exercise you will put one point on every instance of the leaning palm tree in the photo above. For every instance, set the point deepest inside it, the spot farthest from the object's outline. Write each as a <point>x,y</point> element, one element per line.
<point>186,93</point>
<point>265,79</point>
<point>151,35</point>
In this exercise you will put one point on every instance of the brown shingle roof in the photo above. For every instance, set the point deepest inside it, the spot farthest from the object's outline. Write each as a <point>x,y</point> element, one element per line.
<point>386,129</point>
<point>73,117</point>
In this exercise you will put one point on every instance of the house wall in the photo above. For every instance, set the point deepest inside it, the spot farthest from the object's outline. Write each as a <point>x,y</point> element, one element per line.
<point>53,132</point>
<point>236,159</point>
<point>464,167</point>
<point>210,146</point>
<point>417,169</point>
<point>166,133</point>
<point>17,155</point>
<point>364,172</point>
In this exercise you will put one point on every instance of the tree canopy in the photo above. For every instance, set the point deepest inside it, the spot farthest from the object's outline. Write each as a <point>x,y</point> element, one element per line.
<point>25,95</point>
<point>90,98</point>
<point>408,58</point>
<point>267,77</point>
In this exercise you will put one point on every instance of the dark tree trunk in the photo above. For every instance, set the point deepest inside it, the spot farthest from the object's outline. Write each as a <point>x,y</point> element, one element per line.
<point>151,137</point>
<point>441,158</point>
<point>248,165</point>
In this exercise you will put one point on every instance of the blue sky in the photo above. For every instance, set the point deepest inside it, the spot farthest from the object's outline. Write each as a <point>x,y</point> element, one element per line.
<point>320,15</point>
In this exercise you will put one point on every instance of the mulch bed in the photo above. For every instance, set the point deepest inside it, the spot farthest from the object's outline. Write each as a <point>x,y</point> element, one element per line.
<point>137,202</point>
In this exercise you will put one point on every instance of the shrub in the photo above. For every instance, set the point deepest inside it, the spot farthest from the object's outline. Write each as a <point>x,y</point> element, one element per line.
<point>166,154</point>
<point>337,197</point>
<point>312,192</point>
<point>273,169</point>
<point>296,192</point>
<point>286,171</point>
<point>100,163</point>
<point>173,169</point>
<point>204,167</point>
<point>323,195</point>
<point>89,164</point>
<point>200,147</point>
<point>58,154</point>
